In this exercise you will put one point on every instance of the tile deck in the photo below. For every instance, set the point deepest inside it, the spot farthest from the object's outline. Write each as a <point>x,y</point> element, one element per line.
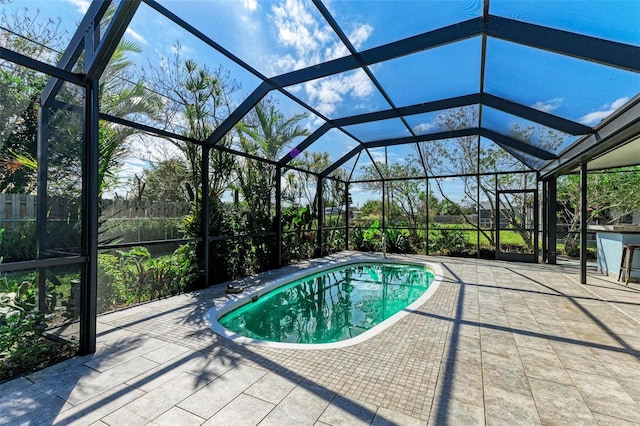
<point>498,343</point>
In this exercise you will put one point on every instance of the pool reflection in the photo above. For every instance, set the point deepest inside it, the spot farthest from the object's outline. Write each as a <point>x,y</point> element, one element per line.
<point>332,306</point>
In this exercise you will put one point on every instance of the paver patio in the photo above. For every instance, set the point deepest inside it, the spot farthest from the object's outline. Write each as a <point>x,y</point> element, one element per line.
<point>498,343</point>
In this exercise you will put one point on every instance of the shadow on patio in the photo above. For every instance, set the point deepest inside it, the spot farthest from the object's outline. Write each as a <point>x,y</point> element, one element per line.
<point>497,342</point>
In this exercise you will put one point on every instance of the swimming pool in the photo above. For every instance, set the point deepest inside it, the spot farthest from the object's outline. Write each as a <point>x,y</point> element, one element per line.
<point>331,306</point>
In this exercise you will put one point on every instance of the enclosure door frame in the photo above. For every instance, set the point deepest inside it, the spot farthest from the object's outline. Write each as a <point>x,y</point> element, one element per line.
<point>512,256</point>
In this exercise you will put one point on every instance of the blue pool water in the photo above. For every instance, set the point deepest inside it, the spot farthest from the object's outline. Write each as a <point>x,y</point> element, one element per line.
<point>332,305</point>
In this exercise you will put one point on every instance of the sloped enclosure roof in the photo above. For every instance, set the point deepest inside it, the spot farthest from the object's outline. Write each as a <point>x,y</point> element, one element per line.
<point>551,83</point>
<point>378,74</point>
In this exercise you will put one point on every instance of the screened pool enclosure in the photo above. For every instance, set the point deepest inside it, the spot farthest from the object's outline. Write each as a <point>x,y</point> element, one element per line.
<point>298,129</point>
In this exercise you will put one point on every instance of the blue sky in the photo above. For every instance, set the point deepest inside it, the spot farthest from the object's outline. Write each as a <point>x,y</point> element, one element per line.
<point>275,37</point>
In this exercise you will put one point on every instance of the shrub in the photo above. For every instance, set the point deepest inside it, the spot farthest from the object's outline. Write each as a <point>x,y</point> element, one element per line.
<point>397,241</point>
<point>369,239</point>
<point>133,276</point>
<point>19,242</point>
<point>448,242</point>
<point>21,326</point>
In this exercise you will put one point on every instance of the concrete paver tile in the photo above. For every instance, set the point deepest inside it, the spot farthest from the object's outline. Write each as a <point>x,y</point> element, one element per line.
<point>97,407</point>
<point>177,417</point>
<point>460,381</point>
<point>580,358</point>
<point>345,411</point>
<point>532,340</point>
<point>616,358</point>
<point>456,412</point>
<point>605,420</point>
<point>544,365</point>
<point>129,352</point>
<point>467,350</point>
<point>166,372</point>
<point>245,410</point>
<point>14,385</point>
<point>61,375</point>
<point>96,383</point>
<point>304,405</point>
<point>385,417</point>
<point>508,408</point>
<point>560,404</point>
<point>219,392</point>
<point>493,360</point>
<point>209,367</point>
<point>114,336</point>
<point>154,403</point>
<point>508,379</point>
<point>271,388</point>
<point>499,345</point>
<point>29,406</point>
<point>605,395</point>
<point>629,378</point>
<point>165,353</point>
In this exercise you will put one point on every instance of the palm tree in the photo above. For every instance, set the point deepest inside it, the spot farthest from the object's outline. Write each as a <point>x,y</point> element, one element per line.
<point>266,135</point>
<point>120,97</point>
<point>271,131</point>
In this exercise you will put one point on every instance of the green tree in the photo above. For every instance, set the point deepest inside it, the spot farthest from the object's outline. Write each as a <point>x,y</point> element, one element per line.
<point>371,210</point>
<point>265,133</point>
<point>611,195</point>
<point>448,207</point>
<point>405,196</point>
<point>124,98</point>
<point>164,181</point>
<point>459,157</point>
<point>38,38</point>
<point>196,99</point>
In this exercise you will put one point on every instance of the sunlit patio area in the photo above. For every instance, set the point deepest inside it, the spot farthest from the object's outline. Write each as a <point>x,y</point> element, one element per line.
<point>497,343</point>
<point>160,159</point>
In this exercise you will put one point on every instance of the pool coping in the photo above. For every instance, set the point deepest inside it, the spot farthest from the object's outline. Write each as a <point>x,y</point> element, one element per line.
<point>235,301</point>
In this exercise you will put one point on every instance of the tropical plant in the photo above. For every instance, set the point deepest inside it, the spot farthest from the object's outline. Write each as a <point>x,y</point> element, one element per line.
<point>396,241</point>
<point>369,239</point>
<point>21,326</point>
<point>265,133</point>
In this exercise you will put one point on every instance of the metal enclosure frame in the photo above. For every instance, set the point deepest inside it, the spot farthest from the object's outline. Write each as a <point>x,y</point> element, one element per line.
<point>98,44</point>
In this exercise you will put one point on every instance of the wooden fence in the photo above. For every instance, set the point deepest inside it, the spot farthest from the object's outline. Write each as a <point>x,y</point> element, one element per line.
<point>133,209</point>
<point>22,207</point>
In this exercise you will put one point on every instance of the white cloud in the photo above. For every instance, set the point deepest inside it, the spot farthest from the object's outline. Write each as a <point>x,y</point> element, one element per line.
<point>134,35</point>
<point>297,29</point>
<point>423,128</point>
<point>309,41</point>
<point>548,105</point>
<point>379,156</point>
<point>81,5</point>
<point>348,148</point>
<point>328,93</point>
<point>295,89</point>
<point>250,5</point>
<point>596,116</point>
<point>360,34</point>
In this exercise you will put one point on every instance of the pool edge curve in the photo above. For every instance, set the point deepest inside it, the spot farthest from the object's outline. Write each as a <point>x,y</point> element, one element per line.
<point>211,316</point>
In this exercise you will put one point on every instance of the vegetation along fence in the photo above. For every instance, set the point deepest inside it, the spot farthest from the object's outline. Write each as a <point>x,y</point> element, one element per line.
<point>21,207</point>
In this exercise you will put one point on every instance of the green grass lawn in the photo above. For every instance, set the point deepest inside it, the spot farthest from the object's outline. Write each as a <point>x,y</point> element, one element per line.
<point>506,237</point>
